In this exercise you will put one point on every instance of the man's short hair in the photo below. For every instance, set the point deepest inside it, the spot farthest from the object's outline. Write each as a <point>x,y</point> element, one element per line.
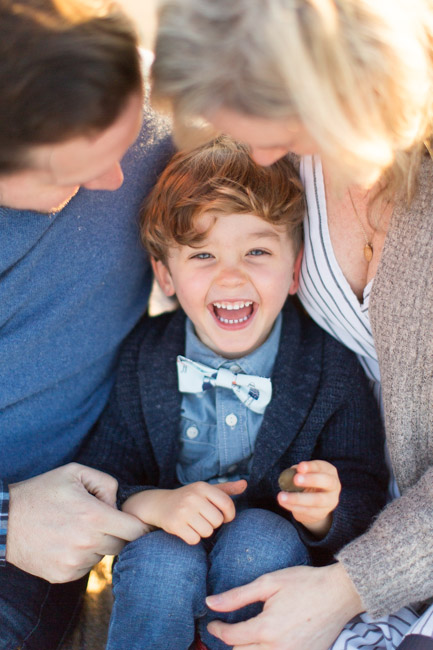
<point>219,177</point>
<point>67,68</point>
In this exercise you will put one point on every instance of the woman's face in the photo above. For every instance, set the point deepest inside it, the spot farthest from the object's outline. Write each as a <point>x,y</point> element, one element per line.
<point>268,139</point>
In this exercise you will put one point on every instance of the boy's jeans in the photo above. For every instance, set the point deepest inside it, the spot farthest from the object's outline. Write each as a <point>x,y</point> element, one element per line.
<point>160,582</point>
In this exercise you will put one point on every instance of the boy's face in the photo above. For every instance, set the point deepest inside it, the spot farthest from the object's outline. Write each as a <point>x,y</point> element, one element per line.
<point>234,285</point>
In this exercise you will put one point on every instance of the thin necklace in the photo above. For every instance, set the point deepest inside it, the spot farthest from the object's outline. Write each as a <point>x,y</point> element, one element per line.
<point>368,248</point>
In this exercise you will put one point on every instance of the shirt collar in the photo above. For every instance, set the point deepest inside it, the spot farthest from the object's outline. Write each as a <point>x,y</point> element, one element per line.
<point>259,362</point>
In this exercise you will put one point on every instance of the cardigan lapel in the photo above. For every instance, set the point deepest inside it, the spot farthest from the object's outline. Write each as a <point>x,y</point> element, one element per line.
<point>160,397</point>
<point>295,380</point>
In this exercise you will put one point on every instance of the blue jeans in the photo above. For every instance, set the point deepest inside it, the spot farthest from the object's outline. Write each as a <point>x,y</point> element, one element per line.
<point>34,614</point>
<point>160,583</point>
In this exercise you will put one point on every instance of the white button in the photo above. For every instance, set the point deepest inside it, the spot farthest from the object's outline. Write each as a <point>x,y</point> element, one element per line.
<point>231,420</point>
<point>235,368</point>
<point>222,479</point>
<point>192,432</point>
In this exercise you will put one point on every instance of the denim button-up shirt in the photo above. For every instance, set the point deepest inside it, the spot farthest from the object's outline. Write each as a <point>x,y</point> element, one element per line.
<point>218,433</point>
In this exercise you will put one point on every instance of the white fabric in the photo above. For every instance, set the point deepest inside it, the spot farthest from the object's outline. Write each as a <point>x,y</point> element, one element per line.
<point>253,391</point>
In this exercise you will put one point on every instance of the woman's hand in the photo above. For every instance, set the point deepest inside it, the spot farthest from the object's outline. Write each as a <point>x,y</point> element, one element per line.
<point>304,607</point>
<point>313,507</point>
<point>190,512</point>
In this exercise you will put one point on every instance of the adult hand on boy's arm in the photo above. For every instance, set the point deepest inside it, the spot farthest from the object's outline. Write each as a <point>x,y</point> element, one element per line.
<point>314,506</point>
<point>190,512</point>
<point>62,522</point>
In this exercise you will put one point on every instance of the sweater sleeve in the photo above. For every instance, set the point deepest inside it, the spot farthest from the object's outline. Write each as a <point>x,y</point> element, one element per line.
<point>399,543</point>
<point>4,515</point>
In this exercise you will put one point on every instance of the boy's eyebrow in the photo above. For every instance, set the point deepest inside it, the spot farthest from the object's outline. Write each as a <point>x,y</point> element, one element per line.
<point>261,234</point>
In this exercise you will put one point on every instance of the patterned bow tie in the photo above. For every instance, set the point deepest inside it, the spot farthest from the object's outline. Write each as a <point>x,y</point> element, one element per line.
<point>255,392</point>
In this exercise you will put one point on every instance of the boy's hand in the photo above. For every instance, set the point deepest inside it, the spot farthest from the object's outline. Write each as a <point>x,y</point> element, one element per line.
<point>190,512</point>
<point>314,506</point>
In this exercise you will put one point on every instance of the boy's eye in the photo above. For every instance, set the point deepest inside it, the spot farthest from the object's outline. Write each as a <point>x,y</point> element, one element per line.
<point>258,251</point>
<point>202,256</point>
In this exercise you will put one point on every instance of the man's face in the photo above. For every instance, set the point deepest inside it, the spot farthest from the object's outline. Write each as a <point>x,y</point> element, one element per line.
<point>235,283</point>
<point>57,171</point>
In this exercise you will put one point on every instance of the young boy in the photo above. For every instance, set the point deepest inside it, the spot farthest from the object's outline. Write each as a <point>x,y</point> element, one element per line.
<point>195,426</point>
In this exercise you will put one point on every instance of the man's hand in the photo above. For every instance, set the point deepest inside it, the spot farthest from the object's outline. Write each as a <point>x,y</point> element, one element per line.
<point>304,607</point>
<point>190,512</point>
<point>313,507</point>
<point>63,522</point>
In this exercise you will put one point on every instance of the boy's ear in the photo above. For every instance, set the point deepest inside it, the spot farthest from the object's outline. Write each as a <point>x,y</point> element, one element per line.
<point>163,277</point>
<point>296,271</point>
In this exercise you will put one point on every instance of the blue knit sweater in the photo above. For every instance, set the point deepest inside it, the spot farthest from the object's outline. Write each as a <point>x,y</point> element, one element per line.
<point>72,285</point>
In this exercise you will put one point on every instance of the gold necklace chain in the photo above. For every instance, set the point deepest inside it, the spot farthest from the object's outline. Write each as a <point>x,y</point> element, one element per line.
<point>368,247</point>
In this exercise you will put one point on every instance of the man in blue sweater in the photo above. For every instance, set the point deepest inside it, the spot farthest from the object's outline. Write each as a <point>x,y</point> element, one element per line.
<point>73,282</point>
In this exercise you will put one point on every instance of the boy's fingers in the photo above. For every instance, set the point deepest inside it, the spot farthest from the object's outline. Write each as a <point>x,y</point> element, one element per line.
<point>318,481</point>
<point>220,495</point>
<point>232,487</point>
<point>212,514</point>
<point>201,525</point>
<point>316,467</point>
<point>304,499</point>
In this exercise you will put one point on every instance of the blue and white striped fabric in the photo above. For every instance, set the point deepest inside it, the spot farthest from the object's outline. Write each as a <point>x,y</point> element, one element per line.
<point>4,511</point>
<point>386,633</point>
<point>323,289</point>
<point>330,301</point>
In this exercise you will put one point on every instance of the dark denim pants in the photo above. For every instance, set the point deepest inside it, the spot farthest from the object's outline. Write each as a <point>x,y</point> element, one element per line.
<point>34,614</point>
<point>160,582</point>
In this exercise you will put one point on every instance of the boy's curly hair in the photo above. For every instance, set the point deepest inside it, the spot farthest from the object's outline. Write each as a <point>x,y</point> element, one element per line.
<point>219,177</point>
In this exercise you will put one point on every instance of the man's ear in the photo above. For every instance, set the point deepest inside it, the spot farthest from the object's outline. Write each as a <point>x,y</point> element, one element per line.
<point>296,271</point>
<point>163,276</point>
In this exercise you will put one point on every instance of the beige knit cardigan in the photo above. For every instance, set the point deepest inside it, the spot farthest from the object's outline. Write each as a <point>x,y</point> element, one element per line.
<point>392,564</point>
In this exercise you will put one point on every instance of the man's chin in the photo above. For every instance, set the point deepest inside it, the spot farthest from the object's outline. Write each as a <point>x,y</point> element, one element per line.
<point>59,208</point>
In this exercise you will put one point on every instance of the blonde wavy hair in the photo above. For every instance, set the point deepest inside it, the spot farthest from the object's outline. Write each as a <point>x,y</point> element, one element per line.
<point>357,73</point>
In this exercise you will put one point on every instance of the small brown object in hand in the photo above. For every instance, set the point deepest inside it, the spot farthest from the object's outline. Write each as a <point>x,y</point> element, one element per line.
<point>285,480</point>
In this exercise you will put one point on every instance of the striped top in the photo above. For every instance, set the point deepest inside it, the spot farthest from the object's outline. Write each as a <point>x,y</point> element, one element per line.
<point>323,289</point>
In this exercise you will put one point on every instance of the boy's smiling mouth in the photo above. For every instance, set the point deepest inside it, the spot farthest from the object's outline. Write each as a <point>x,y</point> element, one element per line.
<point>233,313</point>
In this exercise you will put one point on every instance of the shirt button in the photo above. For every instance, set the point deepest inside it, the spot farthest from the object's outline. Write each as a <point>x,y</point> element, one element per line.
<point>222,479</point>
<point>192,432</point>
<point>235,368</point>
<point>232,468</point>
<point>231,420</point>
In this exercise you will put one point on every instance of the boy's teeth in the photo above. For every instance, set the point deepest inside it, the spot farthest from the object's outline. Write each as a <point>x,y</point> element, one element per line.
<point>232,305</point>
<point>227,320</point>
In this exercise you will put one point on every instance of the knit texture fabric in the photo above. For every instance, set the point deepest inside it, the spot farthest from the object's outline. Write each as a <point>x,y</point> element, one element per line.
<point>392,564</point>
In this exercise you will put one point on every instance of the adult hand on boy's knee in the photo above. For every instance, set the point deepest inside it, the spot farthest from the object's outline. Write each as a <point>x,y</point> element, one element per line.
<point>304,607</point>
<point>190,512</point>
<point>313,506</point>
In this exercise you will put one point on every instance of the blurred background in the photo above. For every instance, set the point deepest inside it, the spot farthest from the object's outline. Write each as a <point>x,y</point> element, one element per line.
<point>143,12</point>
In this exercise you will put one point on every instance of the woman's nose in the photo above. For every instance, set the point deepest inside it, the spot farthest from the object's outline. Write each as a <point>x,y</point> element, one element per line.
<point>266,157</point>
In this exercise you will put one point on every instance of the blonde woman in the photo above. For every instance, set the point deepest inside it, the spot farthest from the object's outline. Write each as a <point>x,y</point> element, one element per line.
<point>347,86</point>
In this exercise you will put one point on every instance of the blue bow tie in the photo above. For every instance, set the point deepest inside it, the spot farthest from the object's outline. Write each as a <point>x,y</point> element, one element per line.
<point>255,392</point>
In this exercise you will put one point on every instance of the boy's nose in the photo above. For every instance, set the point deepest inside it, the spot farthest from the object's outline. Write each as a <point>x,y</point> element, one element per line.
<point>231,276</point>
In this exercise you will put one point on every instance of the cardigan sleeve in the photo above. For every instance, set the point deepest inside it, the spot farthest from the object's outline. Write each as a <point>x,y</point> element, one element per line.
<point>392,564</point>
<point>119,442</point>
